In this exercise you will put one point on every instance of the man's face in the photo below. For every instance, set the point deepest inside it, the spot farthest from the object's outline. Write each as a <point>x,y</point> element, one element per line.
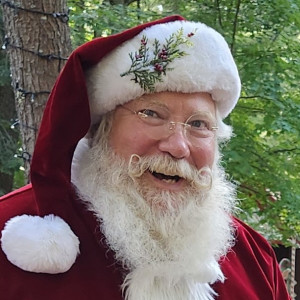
<point>176,227</point>
<point>155,135</point>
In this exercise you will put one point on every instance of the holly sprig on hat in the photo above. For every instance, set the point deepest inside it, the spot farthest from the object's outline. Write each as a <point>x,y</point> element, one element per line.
<point>148,66</point>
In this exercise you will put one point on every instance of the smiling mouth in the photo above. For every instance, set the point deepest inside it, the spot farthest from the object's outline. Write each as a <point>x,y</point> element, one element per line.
<point>166,178</point>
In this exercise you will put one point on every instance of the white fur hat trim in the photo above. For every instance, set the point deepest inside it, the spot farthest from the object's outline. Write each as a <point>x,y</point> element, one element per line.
<point>40,245</point>
<point>207,67</point>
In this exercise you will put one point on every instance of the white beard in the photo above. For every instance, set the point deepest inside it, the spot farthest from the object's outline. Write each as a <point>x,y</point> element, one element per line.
<point>169,254</point>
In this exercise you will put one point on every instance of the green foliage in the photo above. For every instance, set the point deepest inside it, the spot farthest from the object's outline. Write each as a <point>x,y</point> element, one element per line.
<point>266,119</point>
<point>90,19</point>
<point>19,178</point>
<point>9,163</point>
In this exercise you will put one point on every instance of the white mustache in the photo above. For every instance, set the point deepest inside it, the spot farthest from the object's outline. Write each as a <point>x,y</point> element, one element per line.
<point>164,164</point>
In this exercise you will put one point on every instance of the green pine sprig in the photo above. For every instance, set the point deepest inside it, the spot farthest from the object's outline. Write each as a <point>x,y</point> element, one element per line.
<point>147,68</point>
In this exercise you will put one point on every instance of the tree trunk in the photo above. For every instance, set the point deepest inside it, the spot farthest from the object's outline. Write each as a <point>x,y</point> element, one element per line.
<point>38,43</point>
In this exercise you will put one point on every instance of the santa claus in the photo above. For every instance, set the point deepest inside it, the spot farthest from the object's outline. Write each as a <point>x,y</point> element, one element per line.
<point>128,197</point>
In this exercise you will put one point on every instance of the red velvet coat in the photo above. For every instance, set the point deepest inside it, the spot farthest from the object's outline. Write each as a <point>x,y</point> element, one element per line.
<point>250,268</point>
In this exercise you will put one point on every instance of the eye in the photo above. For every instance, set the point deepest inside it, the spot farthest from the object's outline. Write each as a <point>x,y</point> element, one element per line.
<point>198,124</point>
<point>148,113</point>
<point>153,116</point>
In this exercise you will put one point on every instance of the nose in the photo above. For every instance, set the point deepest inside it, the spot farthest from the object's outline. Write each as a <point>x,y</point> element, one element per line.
<point>175,143</point>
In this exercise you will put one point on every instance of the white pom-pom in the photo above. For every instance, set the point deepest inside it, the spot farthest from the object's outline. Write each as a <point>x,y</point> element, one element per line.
<point>40,245</point>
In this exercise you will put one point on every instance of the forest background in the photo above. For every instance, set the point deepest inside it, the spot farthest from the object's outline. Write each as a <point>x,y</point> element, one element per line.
<point>262,159</point>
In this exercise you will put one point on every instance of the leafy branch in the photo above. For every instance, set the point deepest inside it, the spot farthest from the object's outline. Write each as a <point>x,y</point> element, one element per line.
<point>286,150</point>
<point>235,22</point>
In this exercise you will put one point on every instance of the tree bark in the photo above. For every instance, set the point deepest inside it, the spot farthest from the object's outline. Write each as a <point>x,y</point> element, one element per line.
<point>38,43</point>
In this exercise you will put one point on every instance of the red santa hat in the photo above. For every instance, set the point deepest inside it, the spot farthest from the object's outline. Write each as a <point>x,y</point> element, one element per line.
<point>177,56</point>
<point>182,56</point>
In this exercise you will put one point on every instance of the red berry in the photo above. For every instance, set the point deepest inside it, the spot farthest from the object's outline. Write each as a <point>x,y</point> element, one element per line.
<point>158,68</point>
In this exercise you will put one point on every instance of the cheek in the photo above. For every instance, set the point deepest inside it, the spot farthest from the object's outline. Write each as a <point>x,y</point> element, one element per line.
<point>205,155</point>
<point>127,141</point>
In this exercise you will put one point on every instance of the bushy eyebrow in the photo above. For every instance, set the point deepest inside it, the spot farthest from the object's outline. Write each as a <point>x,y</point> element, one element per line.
<point>206,114</point>
<point>152,103</point>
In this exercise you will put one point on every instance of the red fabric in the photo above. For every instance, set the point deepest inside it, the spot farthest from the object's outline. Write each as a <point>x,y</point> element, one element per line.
<point>93,276</point>
<point>250,267</point>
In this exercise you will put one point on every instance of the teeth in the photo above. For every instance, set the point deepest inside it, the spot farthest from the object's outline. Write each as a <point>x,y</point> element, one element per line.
<point>169,180</point>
